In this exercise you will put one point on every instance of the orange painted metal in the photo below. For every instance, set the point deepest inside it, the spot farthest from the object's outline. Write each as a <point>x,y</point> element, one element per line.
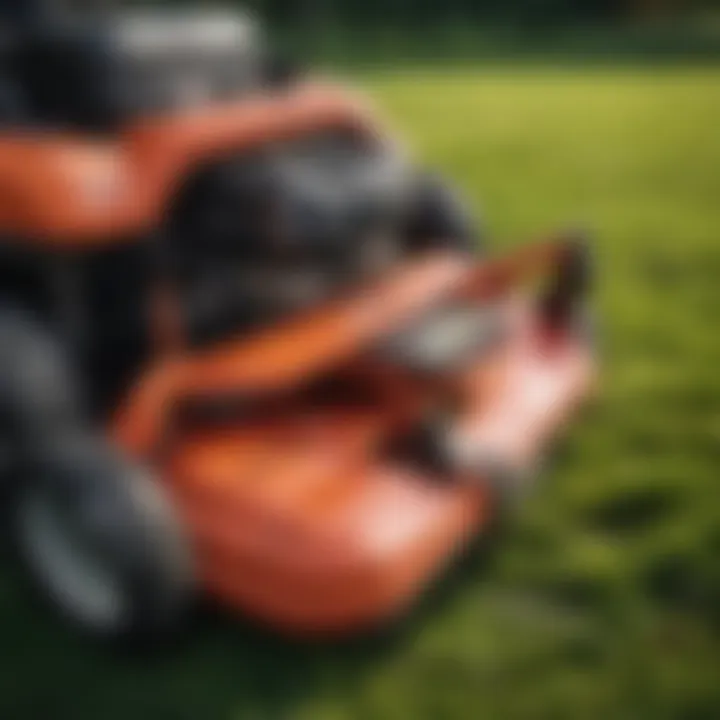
<point>292,352</point>
<point>303,526</point>
<point>303,516</point>
<point>295,351</point>
<point>307,523</point>
<point>68,192</point>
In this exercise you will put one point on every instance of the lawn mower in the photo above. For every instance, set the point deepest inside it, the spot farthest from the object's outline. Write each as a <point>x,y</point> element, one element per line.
<point>248,349</point>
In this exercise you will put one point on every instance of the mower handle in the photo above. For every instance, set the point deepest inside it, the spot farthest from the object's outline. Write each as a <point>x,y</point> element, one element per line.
<point>564,257</point>
<point>283,357</point>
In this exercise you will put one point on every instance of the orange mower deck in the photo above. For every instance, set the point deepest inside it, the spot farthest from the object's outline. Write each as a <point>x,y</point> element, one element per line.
<point>304,519</point>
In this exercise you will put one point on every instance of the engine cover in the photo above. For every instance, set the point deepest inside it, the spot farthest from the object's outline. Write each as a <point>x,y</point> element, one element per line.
<point>281,228</point>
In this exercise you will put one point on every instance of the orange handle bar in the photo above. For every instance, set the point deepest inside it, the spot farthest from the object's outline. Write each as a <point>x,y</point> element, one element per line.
<point>284,356</point>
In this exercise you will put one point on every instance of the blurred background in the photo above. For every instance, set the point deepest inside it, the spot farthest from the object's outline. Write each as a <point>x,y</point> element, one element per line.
<point>603,598</point>
<point>386,31</point>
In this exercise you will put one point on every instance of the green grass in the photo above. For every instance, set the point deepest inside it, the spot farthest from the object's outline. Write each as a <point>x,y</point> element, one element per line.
<point>604,599</point>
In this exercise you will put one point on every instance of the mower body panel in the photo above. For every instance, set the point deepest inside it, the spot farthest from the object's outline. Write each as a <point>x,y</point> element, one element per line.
<point>304,521</point>
<point>62,190</point>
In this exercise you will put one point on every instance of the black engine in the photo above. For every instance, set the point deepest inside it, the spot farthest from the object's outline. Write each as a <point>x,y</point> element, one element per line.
<point>268,233</point>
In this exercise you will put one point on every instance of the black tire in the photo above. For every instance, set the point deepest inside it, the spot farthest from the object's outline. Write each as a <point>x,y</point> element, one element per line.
<point>438,218</point>
<point>99,540</point>
<point>37,392</point>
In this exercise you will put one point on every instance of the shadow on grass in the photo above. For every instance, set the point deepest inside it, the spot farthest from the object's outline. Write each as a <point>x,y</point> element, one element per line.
<point>223,667</point>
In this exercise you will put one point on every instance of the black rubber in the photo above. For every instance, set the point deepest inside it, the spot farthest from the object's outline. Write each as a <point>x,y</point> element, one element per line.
<point>127,521</point>
<point>37,392</point>
<point>35,379</point>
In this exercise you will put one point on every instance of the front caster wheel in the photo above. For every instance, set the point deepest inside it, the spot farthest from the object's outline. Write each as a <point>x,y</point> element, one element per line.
<point>99,540</point>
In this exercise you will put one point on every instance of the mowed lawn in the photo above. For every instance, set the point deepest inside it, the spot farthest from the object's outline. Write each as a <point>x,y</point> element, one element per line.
<point>603,600</point>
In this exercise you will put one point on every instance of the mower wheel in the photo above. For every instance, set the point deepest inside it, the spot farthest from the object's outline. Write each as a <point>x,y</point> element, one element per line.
<point>99,540</point>
<point>37,395</point>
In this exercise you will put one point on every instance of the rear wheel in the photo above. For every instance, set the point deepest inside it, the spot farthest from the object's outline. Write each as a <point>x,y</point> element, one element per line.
<point>37,393</point>
<point>99,540</point>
